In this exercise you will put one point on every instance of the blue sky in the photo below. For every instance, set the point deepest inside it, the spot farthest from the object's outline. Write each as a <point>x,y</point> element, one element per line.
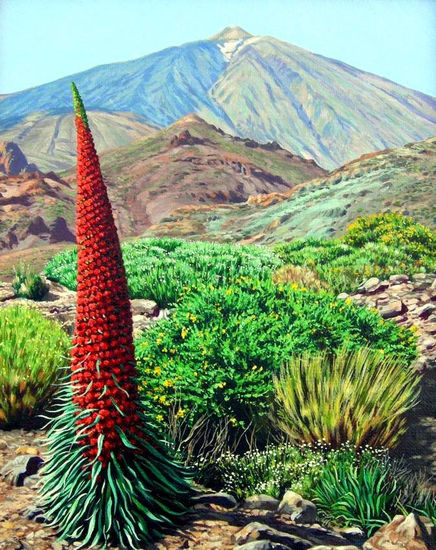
<point>42,40</point>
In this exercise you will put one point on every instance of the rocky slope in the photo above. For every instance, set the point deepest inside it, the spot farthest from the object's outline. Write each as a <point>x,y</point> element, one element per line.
<point>13,160</point>
<point>35,208</point>
<point>188,163</point>
<point>401,179</point>
<point>252,86</point>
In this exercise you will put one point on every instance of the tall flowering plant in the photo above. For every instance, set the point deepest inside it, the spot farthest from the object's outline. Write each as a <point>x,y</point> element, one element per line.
<point>108,478</point>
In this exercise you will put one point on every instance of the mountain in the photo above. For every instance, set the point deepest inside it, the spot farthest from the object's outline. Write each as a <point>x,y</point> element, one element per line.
<point>189,163</point>
<point>50,141</point>
<point>254,87</point>
<point>402,179</point>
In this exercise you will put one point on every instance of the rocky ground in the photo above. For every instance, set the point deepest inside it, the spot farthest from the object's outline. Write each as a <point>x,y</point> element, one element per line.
<point>216,521</point>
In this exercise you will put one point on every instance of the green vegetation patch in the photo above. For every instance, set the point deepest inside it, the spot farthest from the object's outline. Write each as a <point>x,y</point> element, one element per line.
<point>373,246</point>
<point>160,269</point>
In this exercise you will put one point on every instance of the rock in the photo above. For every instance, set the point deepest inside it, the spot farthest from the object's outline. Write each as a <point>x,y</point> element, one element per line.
<point>13,160</point>
<point>371,285</point>
<point>391,309</point>
<point>352,533</point>
<point>300,509</point>
<point>148,308</point>
<point>342,296</point>
<point>346,547</point>
<point>15,471</point>
<point>256,531</point>
<point>25,450</point>
<point>34,513</point>
<point>31,481</point>
<point>219,499</point>
<point>425,311</point>
<point>59,231</point>
<point>397,279</point>
<point>409,533</point>
<point>261,502</point>
<point>262,545</point>
<point>3,445</point>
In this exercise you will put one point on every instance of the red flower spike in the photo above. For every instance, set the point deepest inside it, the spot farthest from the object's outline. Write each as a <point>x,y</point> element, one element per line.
<point>103,320</point>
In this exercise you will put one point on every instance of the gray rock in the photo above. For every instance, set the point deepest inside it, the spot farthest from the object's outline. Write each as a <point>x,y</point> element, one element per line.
<point>425,311</point>
<point>34,513</point>
<point>256,531</point>
<point>397,279</point>
<point>219,499</point>
<point>15,471</point>
<point>300,509</point>
<point>261,502</point>
<point>262,545</point>
<point>391,309</point>
<point>371,285</point>
<point>342,296</point>
<point>149,308</point>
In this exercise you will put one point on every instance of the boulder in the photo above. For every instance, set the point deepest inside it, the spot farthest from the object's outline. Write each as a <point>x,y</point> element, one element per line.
<point>390,309</point>
<point>261,502</point>
<point>262,545</point>
<point>404,533</point>
<point>300,509</point>
<point>255,531</point>
<point>15,471</point>
<point>219,499</point>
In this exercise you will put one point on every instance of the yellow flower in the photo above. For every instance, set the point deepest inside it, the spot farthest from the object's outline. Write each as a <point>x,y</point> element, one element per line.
<point>159,417</point>
<point>158,340</point>
<point>223,331</point>
<point>168,383</point>
<point>222,384</point>
<point>184,332</point>
<point>180,413</point>
<point>229,291</point>
<point>233,421</point>
<point>157,370</point>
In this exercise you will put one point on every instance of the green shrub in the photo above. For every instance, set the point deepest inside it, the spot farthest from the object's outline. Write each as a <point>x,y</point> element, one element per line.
<point>300,276</point>
<point>359,396</point>
<point>160,269</point>
<point>32,356</point>
<point>376,246</point>
<point>218,351</point>
<point>27,283</point>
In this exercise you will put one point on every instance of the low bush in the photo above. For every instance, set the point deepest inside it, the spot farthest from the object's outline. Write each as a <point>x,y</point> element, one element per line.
<point>379,246</point>
<point>27,283</point>
<point>217,353</point>
<point>33,354</point>
<point>364,488</point>
<point>359,396</point>
<point>160,269</point>
<point>300,276</point>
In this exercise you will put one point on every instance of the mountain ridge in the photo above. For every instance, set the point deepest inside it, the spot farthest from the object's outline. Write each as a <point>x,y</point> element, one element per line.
<point>256,87</point>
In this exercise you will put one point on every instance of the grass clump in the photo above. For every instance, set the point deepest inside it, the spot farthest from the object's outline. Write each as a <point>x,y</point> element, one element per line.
<point>33,354</point>
<point>217,353</point>
<point>160,269</point>
<point>27,283</point>
<point>373,246</point>
<point>359,396</point>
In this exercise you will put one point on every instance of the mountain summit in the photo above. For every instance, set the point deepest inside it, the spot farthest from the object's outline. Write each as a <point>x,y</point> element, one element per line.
<point>231,33</point>
<point>254,87</point>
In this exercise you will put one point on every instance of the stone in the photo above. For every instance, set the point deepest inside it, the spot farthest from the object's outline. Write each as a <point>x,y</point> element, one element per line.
<point>404,533</point>
<point>15,471</point>
<point>34,513</point>
<point>324,547</point>
<point>262,545</point>
<point>391,309</point>
<point>256,531</point>
<point>25,450</point>
<point>352,533</point>
<point>342,296</point>
<point>425,311</point>
<point>397,279</point>
<point>3,445</point>
<point>31,481</point>
<point>300,509</point>
<point>219,499</point>
<point>261,502</point>
<point>148,308</point>
<point>371,285</point>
